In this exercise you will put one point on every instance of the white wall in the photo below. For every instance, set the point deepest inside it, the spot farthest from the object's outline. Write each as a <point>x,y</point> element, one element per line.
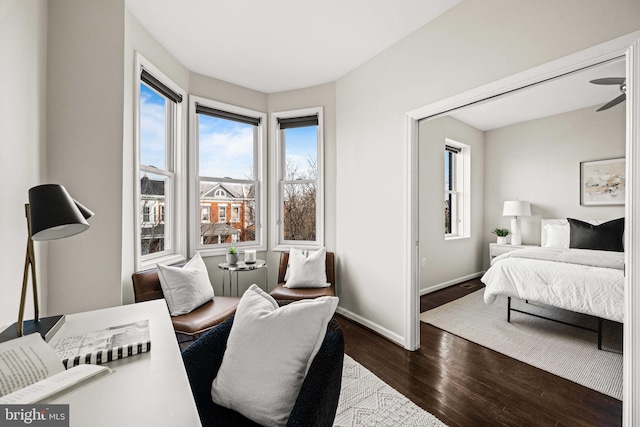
<point>539,161</point>
<point>448,261</point>
<point>85,63</point>
<point>472,44</point>
<point>23,30</point>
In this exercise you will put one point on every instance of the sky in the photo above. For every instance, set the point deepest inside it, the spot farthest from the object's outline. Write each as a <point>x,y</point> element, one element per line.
<point>226,146</point>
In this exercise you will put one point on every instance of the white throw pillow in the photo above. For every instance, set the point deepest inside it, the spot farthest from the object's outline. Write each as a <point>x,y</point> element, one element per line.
<point>185,288</point>
<point>269,352</point>
<point>557,236</point>
<point>307,271</point>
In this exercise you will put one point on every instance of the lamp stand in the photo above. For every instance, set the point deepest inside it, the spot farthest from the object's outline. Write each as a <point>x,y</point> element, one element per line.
<point>516,237</point>
<point>48,326</point>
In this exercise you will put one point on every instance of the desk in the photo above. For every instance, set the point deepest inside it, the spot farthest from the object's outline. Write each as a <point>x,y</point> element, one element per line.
<point>242,266</point>
<point>149,389</point>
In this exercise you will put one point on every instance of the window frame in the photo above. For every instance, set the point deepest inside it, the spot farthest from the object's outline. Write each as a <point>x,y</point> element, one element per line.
<point>175,163</point>
<point>461,191</point>
<point>278,165</point>
<point>260,171</point>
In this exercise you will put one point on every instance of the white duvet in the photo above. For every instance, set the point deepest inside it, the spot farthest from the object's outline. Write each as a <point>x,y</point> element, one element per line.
<point>585,281</point>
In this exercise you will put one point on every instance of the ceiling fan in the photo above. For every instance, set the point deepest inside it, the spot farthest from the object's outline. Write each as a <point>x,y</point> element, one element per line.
<point>613,81</point>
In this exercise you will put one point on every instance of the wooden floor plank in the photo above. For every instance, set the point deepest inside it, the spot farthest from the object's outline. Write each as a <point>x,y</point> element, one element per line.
<point>465,384</point>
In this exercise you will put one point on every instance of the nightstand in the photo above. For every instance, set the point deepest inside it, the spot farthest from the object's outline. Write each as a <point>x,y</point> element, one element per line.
<point>496,249</point>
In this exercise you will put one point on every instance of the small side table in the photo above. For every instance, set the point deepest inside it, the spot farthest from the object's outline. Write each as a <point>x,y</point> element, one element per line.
<point>228,270</point>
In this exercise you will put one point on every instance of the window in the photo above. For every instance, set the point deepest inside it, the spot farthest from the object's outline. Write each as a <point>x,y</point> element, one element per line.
<point>159,152</point>
<point>298,208</point>
<point>205,213</point>
<point>456,189</point>
<point>235,213</point>
<point>222,213</point>
<point>228,163</point>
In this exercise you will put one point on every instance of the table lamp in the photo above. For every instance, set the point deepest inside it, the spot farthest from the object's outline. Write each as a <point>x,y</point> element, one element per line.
<point>516,209</point>
<point>51,214</point>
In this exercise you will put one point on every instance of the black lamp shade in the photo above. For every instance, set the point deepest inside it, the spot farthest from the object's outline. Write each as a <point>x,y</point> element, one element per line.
<point>54,214</point>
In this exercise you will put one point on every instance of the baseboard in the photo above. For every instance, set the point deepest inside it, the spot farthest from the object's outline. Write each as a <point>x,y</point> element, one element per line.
<point>450,282</point>
<point>391,336</point>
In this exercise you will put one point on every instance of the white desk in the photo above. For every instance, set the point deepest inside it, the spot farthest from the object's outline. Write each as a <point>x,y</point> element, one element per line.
<point>149,389</point>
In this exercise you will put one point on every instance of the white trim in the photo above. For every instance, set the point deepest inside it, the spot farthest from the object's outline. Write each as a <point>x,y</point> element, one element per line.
<point>631,351</point>
<point>277,243</point>
<point>178,208</point>
<point>443,285</point>
<point>628,46</point>
<point>392,336</point>
<point>260,166</point>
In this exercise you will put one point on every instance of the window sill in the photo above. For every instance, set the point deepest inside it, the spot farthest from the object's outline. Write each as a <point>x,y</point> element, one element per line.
<point>166,259</point>
<point>447,238</point>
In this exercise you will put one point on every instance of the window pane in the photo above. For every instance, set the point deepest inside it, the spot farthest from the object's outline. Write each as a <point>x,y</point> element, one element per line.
<point>447,213</point>
<point>299,210</point>
<point>152,200</point>
<point>226,148</point>
<point>153,127</point>
<point>301,153</point>
<point>222,201</point>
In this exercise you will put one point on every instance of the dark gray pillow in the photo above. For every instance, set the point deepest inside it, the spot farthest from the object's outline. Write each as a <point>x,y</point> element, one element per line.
<point>604,237</point>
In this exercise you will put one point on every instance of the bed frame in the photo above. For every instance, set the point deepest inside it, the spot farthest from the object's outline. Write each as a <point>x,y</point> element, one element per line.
<point>543,235</point>
<point>598,330</point>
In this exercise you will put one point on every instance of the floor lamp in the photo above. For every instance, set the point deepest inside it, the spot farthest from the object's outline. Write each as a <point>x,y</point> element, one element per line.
<point>516,209</point>
<point>51,214</point>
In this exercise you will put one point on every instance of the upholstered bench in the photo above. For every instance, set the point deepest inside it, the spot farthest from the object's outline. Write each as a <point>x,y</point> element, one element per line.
<point>146,287</point>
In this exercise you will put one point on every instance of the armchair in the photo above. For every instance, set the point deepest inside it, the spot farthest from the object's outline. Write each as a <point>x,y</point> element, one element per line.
<point>281,292</point>
<point>317,401</point>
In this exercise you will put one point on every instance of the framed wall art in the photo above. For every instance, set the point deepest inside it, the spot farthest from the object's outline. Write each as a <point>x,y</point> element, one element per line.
<point>602,182</point>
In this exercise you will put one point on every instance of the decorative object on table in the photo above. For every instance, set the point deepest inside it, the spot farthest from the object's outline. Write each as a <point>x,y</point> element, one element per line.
<point>250,256</point>
<point>516,209</point>
<point>232,255</point>
<point>602,182</point>
<point>502,234</point>
<point>51,214</point>
<point>105,345</point>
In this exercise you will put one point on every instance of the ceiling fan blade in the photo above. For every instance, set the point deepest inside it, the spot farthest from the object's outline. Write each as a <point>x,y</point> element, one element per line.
<point>613,102</point>
<point>609,81</point>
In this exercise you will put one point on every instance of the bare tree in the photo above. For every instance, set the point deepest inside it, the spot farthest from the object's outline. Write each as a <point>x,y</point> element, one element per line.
<point>300,202</point>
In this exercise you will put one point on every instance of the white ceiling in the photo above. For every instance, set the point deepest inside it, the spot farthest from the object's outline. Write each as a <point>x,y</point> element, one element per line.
<point>277,45</point>
<point>560,95</point>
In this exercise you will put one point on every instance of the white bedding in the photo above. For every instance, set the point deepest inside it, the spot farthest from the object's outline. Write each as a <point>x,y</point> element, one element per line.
<point>584,281</point>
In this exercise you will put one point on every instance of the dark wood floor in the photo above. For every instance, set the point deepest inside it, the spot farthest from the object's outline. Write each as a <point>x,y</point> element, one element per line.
<point>464,384</point>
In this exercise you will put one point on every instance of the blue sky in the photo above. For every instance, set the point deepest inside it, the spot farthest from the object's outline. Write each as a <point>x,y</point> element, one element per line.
<point>226,147</point>
<point>152,128</point>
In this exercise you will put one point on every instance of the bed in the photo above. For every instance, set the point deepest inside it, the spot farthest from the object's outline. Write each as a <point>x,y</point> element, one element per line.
<point>579,267</point>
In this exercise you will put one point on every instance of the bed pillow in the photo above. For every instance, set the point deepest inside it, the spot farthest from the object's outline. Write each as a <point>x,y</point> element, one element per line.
<point>186,288</point>
<point>557,236</point>
<point>268,355</point>
<point>308,271</point>
<point>607,236</point>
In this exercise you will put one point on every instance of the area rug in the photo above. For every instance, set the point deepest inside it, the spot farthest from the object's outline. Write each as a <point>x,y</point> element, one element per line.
<point>366,400</point>
<point>565,351</point>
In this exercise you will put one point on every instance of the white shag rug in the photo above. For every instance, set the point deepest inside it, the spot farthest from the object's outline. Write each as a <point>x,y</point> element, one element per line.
<point>562,350</point>
<point>366,400</point>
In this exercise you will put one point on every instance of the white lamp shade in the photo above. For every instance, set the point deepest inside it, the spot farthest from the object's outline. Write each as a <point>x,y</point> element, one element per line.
<point>516,208</point>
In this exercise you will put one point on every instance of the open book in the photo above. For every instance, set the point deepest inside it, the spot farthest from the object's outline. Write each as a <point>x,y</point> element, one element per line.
<point>32,372</point>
